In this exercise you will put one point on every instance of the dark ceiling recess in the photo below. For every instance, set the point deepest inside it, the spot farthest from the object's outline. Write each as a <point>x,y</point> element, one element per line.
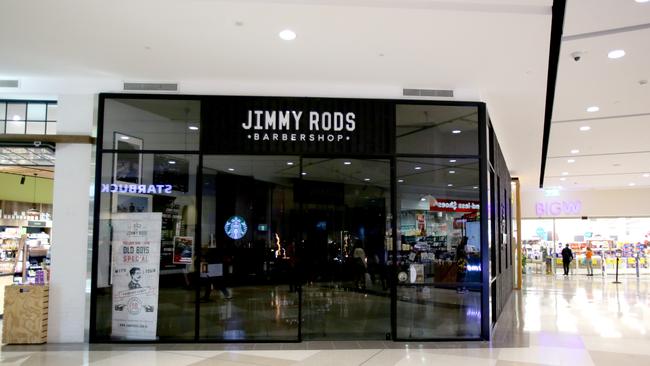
<point>553,60</point>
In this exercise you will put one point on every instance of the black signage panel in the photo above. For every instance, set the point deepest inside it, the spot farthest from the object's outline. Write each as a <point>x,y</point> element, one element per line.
<point>280,125</point>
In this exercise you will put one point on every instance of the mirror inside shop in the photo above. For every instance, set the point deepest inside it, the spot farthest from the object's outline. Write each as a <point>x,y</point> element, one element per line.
<point>611,240</point>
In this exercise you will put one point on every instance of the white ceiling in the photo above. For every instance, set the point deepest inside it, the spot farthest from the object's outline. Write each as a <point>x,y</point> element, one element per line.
<point>615,153</point>
<point>490,50</point>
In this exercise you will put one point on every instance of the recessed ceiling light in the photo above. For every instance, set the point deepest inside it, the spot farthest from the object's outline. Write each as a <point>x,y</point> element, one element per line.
<point>571,161</point>
<point>452,172</point>
<point>125,137</point>
<point>347,162</point>
<point>641,1</point>
<point>646,175</point>
<point>563,179</point>
<point>452,160</point>
<point>417,168</point>
<point>575,151</point>
<point>231,169</point>
<point>456,132</point>
<point>450,185</point>
<point>172,162</point>
<point>304,173</point>
<point>366,179</point>
<point>616,54</point>
<point>593,108</point>
<point>631,184</point>
<point>193,128</point>
<point>287,35</point>
<point>475,187</point>
<point>423,199</point>
<point>400,181</point>
<point>585,128</point>
<point>289,162</point>
<point>16,117</point>
<point>565,173</point>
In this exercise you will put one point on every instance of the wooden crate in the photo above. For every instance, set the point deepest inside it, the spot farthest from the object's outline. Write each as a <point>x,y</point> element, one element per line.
<point>25,314</point>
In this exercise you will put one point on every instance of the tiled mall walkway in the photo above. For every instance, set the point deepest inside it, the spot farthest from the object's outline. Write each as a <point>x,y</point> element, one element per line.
<point>554,321</point>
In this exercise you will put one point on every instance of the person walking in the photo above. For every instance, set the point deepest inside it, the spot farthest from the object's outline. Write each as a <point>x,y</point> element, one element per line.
<point>567,257</point>
<point>588,255</point>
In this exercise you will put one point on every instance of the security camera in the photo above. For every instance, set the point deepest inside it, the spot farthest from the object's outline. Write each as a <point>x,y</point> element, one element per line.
<point>576,56</point>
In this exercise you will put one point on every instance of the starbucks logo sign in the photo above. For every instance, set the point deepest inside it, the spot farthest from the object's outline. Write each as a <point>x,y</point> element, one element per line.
<point>236,227</point>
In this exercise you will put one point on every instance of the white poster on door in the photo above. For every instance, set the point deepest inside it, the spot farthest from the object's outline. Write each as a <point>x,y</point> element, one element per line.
<point>136,268</point>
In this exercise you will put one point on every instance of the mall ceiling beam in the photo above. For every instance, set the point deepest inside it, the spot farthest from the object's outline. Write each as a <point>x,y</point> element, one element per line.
<point>557,24</point>
<point>56,139</point>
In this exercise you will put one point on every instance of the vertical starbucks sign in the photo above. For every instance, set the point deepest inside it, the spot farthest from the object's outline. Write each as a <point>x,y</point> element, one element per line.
<point>135,273</point>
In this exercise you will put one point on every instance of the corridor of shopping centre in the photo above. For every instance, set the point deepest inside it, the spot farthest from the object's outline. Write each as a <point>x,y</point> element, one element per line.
<point>554,320</point>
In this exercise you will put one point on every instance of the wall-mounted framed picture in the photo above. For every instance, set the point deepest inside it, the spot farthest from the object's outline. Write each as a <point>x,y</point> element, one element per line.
<point>171,170</point>
<point>131,202</point>
<point>127,166</point>
<point>183,249</point>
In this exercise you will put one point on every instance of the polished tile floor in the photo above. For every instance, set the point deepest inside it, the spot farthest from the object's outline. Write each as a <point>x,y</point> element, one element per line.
<point>553,321</point>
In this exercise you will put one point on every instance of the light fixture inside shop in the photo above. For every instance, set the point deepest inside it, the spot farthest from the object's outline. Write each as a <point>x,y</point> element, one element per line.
<point>452,172</point>
<point>642,1</point>
<point>400,181</point>
<point>475,187</point>
<point>193,128</point>
<point>565,173</point>
<point>452,160</point>
<point>646,175</point>
<point>16,117</point>
<point>423,199</point>
<point>418,168</point>
<point>616,54</point>
<point>585,128</point>
<point>563,179</point>
<point>172,162</point>
<point>231,169</point>
<point>347,162</point>
<point>575,151</point>
<point>571,161</point>
<point>125,137</point>
<point>456,132</point>
<point>287,35</point>
<point>450,185</point>
<point>593,108</point>
<point>366,179</point>
<point>632,184</point>
<point>289,162</point>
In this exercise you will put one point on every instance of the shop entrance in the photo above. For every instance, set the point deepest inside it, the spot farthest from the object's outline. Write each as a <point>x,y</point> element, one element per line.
<point>345,205</point>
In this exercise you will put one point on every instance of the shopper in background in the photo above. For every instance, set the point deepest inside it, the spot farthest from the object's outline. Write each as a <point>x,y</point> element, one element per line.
<point>588,255</point>
<point>567,257</point>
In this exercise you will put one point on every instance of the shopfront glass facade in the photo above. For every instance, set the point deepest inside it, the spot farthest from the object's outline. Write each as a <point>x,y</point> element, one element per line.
<point>626,239</point>
<point>251,219</point>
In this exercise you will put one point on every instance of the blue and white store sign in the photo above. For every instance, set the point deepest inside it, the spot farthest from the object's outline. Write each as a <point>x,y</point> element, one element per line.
<point>236,227</point>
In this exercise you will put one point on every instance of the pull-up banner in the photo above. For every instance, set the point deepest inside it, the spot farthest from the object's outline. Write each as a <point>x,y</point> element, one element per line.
<point>279,125</point>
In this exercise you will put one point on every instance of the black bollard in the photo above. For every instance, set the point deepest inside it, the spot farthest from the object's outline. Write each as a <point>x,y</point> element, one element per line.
<point>617,259</point>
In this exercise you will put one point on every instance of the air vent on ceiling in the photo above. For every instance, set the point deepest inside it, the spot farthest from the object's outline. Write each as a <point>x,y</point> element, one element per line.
<point>151,87</point>
<point>8,83</point>
<point>428,93</point>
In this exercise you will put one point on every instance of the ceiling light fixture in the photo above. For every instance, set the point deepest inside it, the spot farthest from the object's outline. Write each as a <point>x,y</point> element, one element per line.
<point>565,173</point>
<point>366,179</point>
<point>593,108</point>
<point>452,160</point>
<point>418,168</point>
<point>475,187</point>
<point>575,151</point>
<point>400,181</point>
<point>125,137</point>
<point>16,117</point>
<point>193,128</point>
<point>231,169</point>
<point>452,172</point>
<point>585,128</point>
<point>347,162</point>
<point>287,35</point>
<point>563,179</point>
<point>172,162</point>
<point>456,132</point>
<point>616,54</point>
<point>641,1</point>
<point>646,175</point>
<point>423,199</point>
<point>571,161</point>
<point>632,184</point>
<point>450,185</point>
<point>289,162</point>
<point>304,173</point>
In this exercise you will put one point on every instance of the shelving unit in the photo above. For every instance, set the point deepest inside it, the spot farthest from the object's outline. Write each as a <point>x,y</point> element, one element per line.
<point>24,246</point>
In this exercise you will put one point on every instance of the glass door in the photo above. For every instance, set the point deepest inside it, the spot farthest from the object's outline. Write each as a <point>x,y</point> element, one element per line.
<point>343,251</point>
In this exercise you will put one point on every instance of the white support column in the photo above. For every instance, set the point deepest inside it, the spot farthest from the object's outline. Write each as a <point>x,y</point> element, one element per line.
<point>69,252</point>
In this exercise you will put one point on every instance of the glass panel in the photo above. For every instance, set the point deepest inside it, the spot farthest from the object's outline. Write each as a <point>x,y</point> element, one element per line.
<point>36,128</point>
<point>52,112</point>
<point>16,127</point>
<point>36,111</point>
<point>152,124</point>
<point>437,129</point>
<point>146,263</point>
<point>51,128</point>
<point>250,249</point>
<point>2,126</point>
<point>439,249</point>
<point>3,110</point>
<point>345,218</point>
<point>16,111</point>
